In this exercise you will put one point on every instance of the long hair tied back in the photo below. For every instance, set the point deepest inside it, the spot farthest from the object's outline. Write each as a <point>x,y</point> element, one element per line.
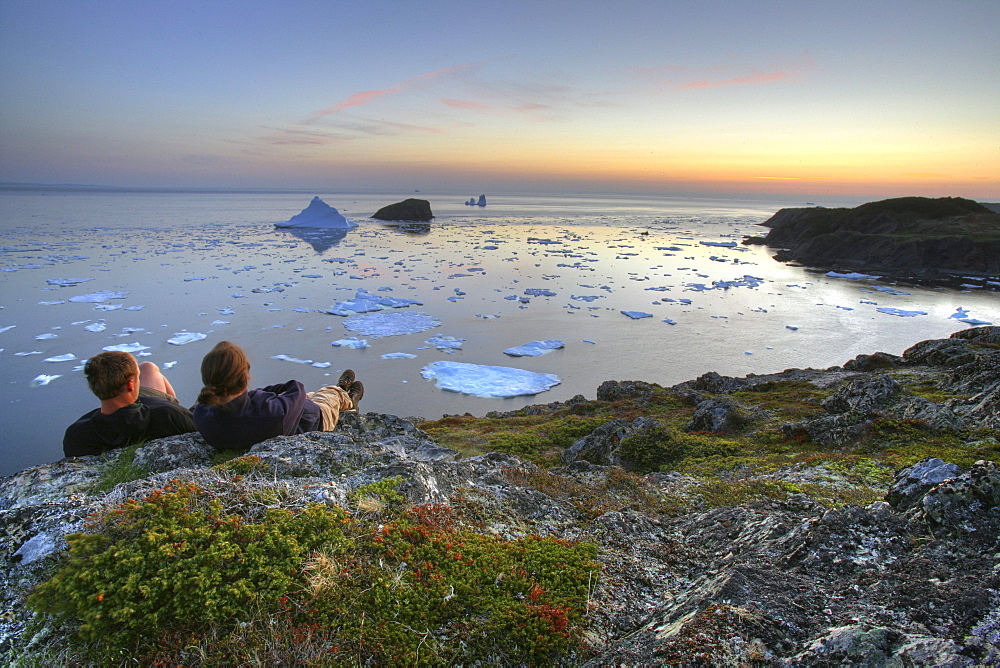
<point>225,371</point>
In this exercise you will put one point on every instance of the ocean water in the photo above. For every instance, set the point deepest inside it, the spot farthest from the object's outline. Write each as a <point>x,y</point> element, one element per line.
<point>212,264</point>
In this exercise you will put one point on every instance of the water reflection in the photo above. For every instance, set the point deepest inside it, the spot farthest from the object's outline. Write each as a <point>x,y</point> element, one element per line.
<point>321,239</point>
<point>409,227</point>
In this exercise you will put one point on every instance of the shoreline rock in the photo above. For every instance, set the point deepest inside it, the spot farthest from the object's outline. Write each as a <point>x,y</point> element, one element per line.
<point>911,578</point>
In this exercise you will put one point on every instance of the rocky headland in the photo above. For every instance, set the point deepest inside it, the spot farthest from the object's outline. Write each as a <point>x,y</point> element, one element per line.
<point>848,515</point>
<point>910,238</point>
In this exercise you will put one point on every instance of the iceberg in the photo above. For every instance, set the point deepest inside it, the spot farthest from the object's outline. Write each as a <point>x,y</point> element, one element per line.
<point>391,323</point>
<point>180,338</point>
<point>473,202</point>
<point>318,214</point>
<point>479,380</point>
<point>535,348</point>
<point>637,315</point>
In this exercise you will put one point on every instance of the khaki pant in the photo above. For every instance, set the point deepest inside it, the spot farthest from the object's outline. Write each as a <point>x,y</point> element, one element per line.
<point>331,400</point>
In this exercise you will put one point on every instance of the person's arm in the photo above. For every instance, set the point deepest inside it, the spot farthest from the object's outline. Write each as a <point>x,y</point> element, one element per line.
<point>288,400</point>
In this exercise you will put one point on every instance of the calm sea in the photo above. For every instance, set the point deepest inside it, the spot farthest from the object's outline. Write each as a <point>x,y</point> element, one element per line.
<point>213,264</point>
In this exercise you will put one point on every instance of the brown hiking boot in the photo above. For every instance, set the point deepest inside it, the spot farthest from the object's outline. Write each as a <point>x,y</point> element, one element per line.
<point>345,380</point>
<point>356,392</point>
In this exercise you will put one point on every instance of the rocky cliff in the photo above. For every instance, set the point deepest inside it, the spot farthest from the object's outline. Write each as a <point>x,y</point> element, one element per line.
<point>910,236</point>
<point>848,515</point>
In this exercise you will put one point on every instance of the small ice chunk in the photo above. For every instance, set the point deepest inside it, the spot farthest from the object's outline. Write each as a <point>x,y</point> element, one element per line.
<point>8,327</point>
<point>291,359</point>
<point>445,343</point>
<point>636,315</point>
<point>962,315</point>
<point>854,276</point>
<point>98,297</point>
<point>719,244</point>
<point>46,336</point>
<point>900,312</point>
<point>321,365</point>
<point>67,282</point>
<point>127,347</point>
<point>350,342</point>
<point>539,292</point>
<point>170,365</point>
<point>180,338</point>
<point>488,381</point>
<point>794,328</point>
<point>669,321</point>
<point>138,307</point>
<point>398,356</point>
<point>391,323</point>
<point>60,301</point>
<point>98,326</point>
<point>42,379</point>
<point>60,358</point>
<point>535,348</point>
<point>220,322</point>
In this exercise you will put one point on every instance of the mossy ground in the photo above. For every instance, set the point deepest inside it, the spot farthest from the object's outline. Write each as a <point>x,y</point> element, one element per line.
<point>723,463</point>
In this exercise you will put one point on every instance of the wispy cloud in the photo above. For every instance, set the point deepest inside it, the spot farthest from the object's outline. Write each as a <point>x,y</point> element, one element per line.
<point>724,75</point>
<point>462,104</point>
<point>364,97</point>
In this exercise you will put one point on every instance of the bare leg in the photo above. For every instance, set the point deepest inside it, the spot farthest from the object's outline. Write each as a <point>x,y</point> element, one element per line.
<point>150,376</point>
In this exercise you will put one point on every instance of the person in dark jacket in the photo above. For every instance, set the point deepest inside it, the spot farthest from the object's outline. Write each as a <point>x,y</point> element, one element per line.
<point>231,416</point>
<point>137,404</point>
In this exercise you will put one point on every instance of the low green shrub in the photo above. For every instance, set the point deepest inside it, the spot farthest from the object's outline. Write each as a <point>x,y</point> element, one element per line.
<point>122,469</point>
<point>177,578</point>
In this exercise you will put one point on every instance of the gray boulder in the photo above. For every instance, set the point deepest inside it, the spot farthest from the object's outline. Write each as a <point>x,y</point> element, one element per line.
<point>913,482</point>
<point>723,414</point>
<point>863,395</point>
<point>174,452</point>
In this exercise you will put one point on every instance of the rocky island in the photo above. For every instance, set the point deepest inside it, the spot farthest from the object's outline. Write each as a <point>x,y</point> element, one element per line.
<point>915,238</point>
<point>847,515</point>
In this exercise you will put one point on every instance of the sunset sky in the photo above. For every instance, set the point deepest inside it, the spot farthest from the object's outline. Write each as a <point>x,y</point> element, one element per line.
<point>879,98</point>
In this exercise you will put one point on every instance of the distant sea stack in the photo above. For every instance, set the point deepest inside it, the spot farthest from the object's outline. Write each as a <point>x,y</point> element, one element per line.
<point>917,237</point>
<point>418,210</point>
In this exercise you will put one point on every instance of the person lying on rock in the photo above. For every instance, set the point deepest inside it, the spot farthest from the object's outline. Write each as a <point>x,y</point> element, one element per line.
<point>229,416</point>
<point>138,404</point>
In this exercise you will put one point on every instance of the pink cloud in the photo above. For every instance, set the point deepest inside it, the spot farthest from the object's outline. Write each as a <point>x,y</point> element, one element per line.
<point>364,97</point>
<point>724,75</point>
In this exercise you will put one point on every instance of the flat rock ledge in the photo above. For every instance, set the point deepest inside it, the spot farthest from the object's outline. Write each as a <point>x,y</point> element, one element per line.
<point>913,579</point>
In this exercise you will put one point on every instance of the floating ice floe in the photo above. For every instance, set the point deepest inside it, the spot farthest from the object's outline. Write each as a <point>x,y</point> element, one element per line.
<point>366,302</point>
<point>535,348</point>
<point>900,312</point>
<point>720,244</point>
<point>291,359</point>
<point>669,321</point>
<point>127,347</point>
<point>8,327</point>
<point>636,315</point>
<point>888,290</point>
<point>479,380</point>
<point>445,343</point>
<point>318,214</point>
<point>60,358</point>
<point>98,326</point>
<point>180,338</point>
<point>398,356</point>
<point>67,282</point>
<point>539,292</point>
<point>46,336</point>
<point>391,323</point>
<point>350,342</point>
<point>794,328</point>
<point>855,276</point>
<point>42,379</point>
<point>962,315</point>
<point>98,297</point>
<point>53,303</point>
